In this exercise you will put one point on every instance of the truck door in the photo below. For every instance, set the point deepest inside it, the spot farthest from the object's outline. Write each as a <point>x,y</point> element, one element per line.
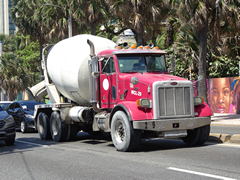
<point>108,83</point>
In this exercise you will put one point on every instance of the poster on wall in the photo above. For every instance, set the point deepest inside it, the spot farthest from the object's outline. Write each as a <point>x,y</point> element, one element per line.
<point>223,94</point>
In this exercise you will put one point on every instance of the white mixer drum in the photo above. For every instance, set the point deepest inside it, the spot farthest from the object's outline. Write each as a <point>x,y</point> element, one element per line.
<point>67,65</point>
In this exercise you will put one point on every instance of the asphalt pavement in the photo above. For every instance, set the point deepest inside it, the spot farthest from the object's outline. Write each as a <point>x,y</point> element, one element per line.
<point>225,120</point>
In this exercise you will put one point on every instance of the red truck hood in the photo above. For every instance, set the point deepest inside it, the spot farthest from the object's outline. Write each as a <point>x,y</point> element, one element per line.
<point>150,78</point>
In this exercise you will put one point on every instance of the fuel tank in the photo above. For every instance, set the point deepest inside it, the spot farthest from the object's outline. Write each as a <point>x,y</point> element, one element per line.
<point>67,65</point>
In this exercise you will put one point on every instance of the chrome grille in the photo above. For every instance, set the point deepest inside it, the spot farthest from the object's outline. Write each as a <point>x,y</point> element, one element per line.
<point>174,101</point>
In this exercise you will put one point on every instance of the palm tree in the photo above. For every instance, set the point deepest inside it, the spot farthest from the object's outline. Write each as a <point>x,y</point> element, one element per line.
<point>14,77</point>
<point>213,17</point>
<point>89,12</point>
<point>42,23</point>
<point>143,17</point>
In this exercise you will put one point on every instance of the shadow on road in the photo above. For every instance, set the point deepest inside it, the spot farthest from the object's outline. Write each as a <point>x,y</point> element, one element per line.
<point>147,145</point>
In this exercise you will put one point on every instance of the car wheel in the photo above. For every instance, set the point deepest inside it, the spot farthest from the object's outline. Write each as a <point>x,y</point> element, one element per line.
<point>204,134</point>
<point>124,137</point>
<point>72,132</point>
<point>23,127</point>
<point>10,140</point>
<point>43,126</point>
<point>59,131</point>
<point>192,137</point>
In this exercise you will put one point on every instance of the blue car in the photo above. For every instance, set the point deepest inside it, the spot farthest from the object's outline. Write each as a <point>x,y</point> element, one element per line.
<point>22,112</point>
<point>7,127</point>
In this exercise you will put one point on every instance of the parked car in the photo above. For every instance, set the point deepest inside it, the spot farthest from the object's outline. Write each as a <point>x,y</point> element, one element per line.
<point>7,127</point>
<point>22,112</point>
<point>5,104</point>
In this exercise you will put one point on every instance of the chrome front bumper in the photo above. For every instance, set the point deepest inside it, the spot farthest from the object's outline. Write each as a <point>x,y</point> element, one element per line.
<point>171,124</point>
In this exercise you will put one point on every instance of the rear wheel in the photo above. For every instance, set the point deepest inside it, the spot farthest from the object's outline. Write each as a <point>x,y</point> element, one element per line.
<point>59,131</point>
<point>124,137</point>
<point>72,132</point>
<point>43,126</point>
<point>10,140</point>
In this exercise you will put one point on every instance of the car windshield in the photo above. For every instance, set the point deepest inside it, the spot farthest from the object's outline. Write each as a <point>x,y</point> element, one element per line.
<point>4,105</point>
<point>142,63</point>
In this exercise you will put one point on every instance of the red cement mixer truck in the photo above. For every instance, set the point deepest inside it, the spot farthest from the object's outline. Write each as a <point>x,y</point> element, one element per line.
<point>96,86</point>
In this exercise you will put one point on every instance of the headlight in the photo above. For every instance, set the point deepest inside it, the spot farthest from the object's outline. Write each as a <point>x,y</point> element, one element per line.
<point>9,119</point>
<point>144,103</point>
<point>29,116</point>
<point>198,100</point>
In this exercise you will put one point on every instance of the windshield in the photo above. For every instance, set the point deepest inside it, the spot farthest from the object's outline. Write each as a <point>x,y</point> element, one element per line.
<point>4,105</point>
<point>141,63</point>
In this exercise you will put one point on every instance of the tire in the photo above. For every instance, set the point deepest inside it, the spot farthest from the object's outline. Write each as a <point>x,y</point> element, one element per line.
<point>192,137</point>
<point>43,126</point>
<point>72,132</point>
<point>124,137</point>
<point>59,131</point>
<point>204,134</point>
<point>23,127</point>
<point>10,140</point>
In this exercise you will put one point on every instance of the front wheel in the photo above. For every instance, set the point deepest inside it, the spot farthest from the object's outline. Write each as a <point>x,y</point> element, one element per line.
<point>10,140</point>
<point>192,137</point>
<point>204,134</point>
<point>197,136</point>
<point>124,137</point>
<point>23,127</point>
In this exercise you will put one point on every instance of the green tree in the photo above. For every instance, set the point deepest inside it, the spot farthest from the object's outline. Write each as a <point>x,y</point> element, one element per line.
<point>214,17</point>
<point>92,13</point>
<point>14,77</point>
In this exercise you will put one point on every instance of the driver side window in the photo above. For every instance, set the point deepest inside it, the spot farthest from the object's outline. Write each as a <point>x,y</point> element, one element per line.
<point>109,67</point>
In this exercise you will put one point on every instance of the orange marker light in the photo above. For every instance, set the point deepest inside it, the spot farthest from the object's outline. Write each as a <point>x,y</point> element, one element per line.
<point>156,47</point>
<point>118,47</point>
<point>138,102</point>
<point>133,46</point>
<point>140,47</point>
<point>146,47</point>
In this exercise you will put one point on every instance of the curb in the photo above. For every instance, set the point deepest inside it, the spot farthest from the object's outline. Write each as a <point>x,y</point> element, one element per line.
<point>222,138</point>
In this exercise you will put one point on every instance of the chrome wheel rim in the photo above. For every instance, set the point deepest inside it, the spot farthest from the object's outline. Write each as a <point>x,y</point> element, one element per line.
<point>22,126</point>
<point>41,125</point>
<point>120,133</point>
<point>54,127</point>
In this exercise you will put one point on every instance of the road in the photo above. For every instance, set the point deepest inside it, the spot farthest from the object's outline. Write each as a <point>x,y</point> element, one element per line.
<point>96,158</point>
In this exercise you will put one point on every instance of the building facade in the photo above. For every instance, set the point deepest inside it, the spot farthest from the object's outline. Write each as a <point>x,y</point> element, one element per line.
<point>6,25</point>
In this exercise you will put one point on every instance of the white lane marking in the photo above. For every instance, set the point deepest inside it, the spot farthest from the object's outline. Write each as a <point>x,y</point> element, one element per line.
<point>199,173</point>
<point>31,143</point>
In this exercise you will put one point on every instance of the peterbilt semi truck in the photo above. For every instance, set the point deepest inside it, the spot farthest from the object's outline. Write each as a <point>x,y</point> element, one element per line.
<point>96,86</point>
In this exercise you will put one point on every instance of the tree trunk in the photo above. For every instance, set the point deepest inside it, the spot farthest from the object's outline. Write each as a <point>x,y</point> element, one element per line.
<point>170,32</point>
<point>93,29</point>
<point>41,71</point>
<point>202,86</point>
<point>139,39</point>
